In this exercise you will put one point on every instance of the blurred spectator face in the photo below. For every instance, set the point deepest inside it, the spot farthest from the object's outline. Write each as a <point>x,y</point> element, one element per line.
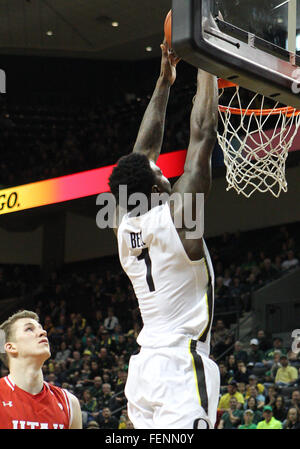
<point>252,380</point>
<point>271,390</point>
<point>231,359</point>
<point>237,346</point>
<point>277,343</point>
<point>222,368</point>
<point>231,389</point>
<point>267,414</point>
<point>220,325</point>
<point>296,396</point>
<point>248,418</point>
<point>105,377</point>
<point>86,395</point>
<point>261,334</point>
<point>251,402</point>
<point>129,424</point>
<point>76,355</point>
<point>219,281</point>
<point>292,415</point>
<point>276,356</point>
<point>106,413</point>
<point>94,365</point>
<point>279,401</point>
<point>284,361</point>
<point>233,403</point>
<point>106,388</point>
<point>253,391</point>
<point>97,382</point>
<point>103,352</point>
<point>241,387</point>
<point>240,365</point>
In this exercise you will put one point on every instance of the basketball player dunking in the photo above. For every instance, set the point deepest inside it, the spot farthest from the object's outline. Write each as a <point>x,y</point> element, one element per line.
<point>172,382</point>
<point>26,400</point>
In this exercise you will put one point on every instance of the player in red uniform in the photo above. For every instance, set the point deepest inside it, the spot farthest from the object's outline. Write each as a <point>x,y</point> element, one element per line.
<point>26,400</point>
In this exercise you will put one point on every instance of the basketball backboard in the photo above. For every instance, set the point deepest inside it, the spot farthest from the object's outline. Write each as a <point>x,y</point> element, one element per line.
<point>254,44</point>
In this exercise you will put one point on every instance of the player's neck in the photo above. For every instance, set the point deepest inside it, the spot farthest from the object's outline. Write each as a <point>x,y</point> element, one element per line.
<point>27,376</point>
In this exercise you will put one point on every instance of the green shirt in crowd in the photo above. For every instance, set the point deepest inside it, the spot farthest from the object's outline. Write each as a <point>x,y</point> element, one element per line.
<point>272,424</point>
<point>251,426</point>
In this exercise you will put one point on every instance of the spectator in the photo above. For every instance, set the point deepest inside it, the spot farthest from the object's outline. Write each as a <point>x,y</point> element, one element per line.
<point>275,364</point>
<point>295,400</point>
<point>248,420</point>
<point>271,395</point>
<point>105,360</point>
<point>279,409</point>
<point>268,271</point>
<point>231,365</point>
<point>63,354</point>
<point>221,292</point>
<point>255,355</point>
<point>269,421</point>
<point>251,404</point>
<point>219,333</point>
<point>92,425</point>
<point>277,346</point>
<point>224,402</point>
<point>241,388</point>
<point>290,262</point>
<point>106,395</point>
<point>260,398</point>
<point>253,381</point>
<point>293,419</point>
<point>88,403</point>
<point>111,320</point>
<point>286,375</point>
<point>232,417</point>
<point>239,353</point>
<point>241,374</point>
<point>225,377</point>
<point>264,343</point>
<point>106,420</point>
<point>96,388</point>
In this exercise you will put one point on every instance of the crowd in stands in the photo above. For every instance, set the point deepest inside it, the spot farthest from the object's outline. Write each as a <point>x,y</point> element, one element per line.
<point>92,319</point>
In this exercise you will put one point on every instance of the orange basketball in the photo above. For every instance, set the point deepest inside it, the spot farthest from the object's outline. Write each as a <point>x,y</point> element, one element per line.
<point>168,28</point>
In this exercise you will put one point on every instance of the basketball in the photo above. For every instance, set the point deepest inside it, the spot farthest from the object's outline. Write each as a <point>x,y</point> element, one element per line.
<point>168,28</point>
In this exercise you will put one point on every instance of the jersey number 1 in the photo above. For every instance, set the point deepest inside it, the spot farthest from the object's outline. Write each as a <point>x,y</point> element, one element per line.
<point>145,255</point>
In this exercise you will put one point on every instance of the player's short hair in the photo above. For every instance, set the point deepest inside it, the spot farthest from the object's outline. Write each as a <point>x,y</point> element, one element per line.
<point>6,330</point>
<point>135,172</point>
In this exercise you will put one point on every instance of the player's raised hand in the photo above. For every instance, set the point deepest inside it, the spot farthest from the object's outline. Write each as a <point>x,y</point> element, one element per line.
<point>169,61</point>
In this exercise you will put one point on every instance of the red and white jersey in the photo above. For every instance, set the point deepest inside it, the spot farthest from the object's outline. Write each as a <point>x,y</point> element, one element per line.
<point>49,409</point>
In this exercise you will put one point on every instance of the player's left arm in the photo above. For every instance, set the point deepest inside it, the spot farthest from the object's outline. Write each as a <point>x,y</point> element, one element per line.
<point>77,415</point>
<point>150,136</point>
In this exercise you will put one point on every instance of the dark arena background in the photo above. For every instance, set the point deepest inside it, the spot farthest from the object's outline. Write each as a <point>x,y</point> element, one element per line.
<point>79,76</point>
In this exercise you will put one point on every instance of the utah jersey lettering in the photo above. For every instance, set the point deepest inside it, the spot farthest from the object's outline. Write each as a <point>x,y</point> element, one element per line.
<point>175,294</point>
<point>49,409</point>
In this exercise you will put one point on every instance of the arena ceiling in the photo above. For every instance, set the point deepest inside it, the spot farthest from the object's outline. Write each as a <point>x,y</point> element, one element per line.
<point>83,28</point>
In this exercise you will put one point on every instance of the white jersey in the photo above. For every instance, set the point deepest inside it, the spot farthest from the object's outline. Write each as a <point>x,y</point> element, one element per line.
<point>175,294</point>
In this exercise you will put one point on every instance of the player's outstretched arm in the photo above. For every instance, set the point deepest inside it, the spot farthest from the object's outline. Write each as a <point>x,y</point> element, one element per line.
<point>150,135</point>
<point>203,132</point>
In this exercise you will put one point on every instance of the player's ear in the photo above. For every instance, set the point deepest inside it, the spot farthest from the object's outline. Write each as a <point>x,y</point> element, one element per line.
<point>10,347</point>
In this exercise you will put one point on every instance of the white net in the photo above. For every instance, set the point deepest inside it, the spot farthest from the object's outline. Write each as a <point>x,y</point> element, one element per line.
<point>255,143</point>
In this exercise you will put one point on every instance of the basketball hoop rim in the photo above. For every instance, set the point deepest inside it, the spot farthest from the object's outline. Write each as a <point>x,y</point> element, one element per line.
<point>287,110</point>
